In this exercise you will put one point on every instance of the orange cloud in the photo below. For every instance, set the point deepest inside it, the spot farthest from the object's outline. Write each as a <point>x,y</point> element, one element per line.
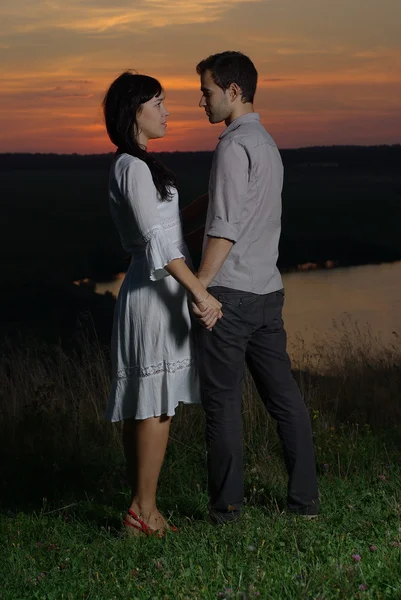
<point>83,16</point>
<point>324,76</point>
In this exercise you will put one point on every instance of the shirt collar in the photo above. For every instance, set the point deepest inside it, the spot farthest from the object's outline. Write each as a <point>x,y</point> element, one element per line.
<point>248,118</point>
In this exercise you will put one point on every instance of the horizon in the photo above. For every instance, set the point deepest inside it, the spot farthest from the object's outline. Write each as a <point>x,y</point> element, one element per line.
<point>327,77</point>
<point>339,146</point>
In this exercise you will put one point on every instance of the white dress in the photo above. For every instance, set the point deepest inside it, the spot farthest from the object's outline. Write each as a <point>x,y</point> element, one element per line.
<point>153,347</point>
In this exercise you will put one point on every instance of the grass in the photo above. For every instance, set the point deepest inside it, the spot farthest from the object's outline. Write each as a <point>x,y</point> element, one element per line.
<point>64,487</point>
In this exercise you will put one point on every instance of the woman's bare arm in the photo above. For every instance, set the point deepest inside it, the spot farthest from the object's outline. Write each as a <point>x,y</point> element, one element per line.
<point>209,307</point>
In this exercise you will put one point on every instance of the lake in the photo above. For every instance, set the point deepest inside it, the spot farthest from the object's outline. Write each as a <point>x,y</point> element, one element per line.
<point>368,296</point>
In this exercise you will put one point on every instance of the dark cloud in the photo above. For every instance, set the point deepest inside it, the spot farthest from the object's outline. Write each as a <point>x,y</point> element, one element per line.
<point>278,79</point>
<point>80,81</point>
<point>62,92</point>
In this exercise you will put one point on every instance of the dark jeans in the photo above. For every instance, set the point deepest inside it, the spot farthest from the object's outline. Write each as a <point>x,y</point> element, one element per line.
<point>252,331</point>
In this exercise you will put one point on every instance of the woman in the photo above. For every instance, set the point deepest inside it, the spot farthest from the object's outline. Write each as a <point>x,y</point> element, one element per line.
<point>153,355</point>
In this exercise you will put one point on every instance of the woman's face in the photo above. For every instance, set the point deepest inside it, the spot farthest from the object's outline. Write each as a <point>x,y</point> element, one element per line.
<point>152,120</point>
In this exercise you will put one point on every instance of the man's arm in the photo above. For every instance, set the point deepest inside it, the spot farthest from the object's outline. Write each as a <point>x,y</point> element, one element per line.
<point>227,205</point>
<point>216,252</point>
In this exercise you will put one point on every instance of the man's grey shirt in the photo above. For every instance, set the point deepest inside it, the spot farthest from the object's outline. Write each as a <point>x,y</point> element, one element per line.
<point>245,187</point>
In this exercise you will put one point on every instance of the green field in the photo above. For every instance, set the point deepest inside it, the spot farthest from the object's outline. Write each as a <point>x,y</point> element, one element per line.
<point>64,489</point>
<point>63,484</point>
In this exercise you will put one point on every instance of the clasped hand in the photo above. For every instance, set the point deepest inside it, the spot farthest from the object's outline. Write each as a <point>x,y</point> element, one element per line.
<point>207,311</point>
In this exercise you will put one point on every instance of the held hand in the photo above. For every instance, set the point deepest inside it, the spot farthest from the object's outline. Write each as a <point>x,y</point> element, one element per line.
<point>207,318</point>
<point>207,310</point>
<point>208,301</point>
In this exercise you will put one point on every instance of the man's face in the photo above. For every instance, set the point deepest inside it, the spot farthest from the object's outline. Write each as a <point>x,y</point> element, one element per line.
<point>214,100</point>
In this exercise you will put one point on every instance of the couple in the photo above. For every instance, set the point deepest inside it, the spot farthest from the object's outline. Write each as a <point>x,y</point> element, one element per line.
<point>161,354</point>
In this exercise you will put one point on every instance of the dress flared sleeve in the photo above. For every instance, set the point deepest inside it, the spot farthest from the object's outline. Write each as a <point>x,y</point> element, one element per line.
<point>138,189</point>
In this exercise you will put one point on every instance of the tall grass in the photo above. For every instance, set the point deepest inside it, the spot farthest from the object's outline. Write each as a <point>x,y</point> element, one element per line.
<point>53,400</point>
<point>65,488</point>
<point>351,375</point>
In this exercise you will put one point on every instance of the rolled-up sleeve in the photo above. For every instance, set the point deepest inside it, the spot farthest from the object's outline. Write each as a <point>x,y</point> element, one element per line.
<point>139,190</point>
<point>229,194</point>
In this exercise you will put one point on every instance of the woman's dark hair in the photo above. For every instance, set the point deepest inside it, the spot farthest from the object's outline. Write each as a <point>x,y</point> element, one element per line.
<point>232,67</point>
<point>121,105</point>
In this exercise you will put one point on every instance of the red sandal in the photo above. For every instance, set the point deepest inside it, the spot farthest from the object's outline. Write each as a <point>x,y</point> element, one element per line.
<point>144,528</point>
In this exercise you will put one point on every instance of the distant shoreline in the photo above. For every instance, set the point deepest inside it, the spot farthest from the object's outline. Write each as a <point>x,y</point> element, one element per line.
<point>301,268</point>
<point>341,208</point>
<point>295,149</point>
<point>380,156</point>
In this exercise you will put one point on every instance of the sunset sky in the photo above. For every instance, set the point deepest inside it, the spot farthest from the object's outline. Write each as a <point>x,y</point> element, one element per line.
<point>329,70</point>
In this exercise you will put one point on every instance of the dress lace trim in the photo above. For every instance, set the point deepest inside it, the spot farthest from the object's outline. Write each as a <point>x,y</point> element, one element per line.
<point>165,225</point>
<point>150,234</point>
<point>161,367</point>
<point>171,223</point>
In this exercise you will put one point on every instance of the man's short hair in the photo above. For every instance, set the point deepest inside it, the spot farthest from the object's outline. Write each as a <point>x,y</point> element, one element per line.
<point>232,67</point>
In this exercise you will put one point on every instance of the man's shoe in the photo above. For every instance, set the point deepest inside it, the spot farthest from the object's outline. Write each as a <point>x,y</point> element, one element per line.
<point>214,518</point>
<point>305,516</point>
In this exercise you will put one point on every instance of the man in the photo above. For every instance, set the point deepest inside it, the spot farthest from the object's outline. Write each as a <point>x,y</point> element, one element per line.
<point>239,268</point>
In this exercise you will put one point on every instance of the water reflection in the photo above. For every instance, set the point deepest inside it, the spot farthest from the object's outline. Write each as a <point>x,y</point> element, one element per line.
<point>369,295</point>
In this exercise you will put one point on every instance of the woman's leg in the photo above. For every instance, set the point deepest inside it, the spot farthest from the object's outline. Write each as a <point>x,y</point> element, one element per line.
<point>145,444</point>
<point>129,443</point>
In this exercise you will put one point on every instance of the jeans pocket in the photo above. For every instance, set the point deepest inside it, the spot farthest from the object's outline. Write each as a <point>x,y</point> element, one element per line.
<point>238,299</point>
